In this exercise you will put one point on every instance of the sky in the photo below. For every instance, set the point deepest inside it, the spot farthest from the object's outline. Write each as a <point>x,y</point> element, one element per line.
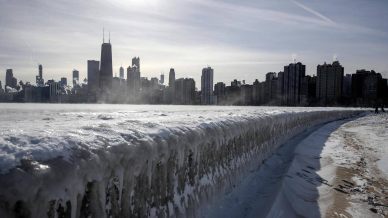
<point>239,39</point>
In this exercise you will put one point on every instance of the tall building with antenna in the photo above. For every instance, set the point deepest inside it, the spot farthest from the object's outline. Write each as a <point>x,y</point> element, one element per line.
<point>106,69</point>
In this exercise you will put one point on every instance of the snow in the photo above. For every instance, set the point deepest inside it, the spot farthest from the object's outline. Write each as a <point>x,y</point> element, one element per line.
<point>136,160</point>
<point>333,170</point>
<point>373,132</point>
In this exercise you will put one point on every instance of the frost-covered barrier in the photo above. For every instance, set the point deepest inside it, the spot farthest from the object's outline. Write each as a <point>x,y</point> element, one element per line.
<point>136,162</point>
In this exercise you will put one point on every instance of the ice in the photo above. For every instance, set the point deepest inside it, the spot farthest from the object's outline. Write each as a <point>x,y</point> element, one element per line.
<point>136,160</point>
<point>330,170</point>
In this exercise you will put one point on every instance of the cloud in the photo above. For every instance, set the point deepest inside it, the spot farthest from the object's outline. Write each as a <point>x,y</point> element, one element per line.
<point>248,37</point>
<point>327,20</point>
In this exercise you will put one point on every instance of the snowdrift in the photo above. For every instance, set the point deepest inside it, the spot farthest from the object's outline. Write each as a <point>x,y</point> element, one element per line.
<point>136,169</point>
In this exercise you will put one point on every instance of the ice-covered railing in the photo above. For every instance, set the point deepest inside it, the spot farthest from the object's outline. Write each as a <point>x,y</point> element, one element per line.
<point>160,164</point>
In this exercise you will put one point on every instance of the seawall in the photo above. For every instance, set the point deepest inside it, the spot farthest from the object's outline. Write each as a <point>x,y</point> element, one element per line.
<point>170,174</point>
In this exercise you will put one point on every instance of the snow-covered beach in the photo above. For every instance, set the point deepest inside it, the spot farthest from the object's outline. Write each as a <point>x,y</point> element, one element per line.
<point>336,170</point>
<point>141,160</point>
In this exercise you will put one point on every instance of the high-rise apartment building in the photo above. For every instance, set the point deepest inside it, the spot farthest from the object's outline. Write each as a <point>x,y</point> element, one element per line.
<point>185,91</point>
<point>207,86</point>
<point>171,78</point>
<point>133,80</point>
<point>63,81</point>
<point>93,78</point>
<point>161,79</point>
<point>9,78</point>
<point>75,77</point>
<point>136,62</point>
<point>271,88</point>
<point>289,83</point>
<point>39,77</point>
<point>121,72</point>
<point>329,82</point>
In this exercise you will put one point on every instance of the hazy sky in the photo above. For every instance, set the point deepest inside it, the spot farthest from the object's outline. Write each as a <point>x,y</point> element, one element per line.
<point>240,39</point>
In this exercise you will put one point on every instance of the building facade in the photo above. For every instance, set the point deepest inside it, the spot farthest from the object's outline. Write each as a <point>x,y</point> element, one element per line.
<point>207,86</point>
<point>290,82</point>
<point>329,83</point>
<point>106,69</point>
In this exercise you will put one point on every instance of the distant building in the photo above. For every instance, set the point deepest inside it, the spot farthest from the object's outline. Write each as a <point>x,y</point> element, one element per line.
<point>54,91</point>
<point>329,82</point>
<point>8,78</point>
<point>133,80</point>
<point>136,62</point>
<point>367,87</point>
<point>271,88</point>
<point>170,97</point>
<point>246,94</point>
<point>93,79</point>
<point>220,93</point>
<point>161,79</point>
<point>39,78</point>
<point>185,91</point>
<point>347,86</point>
<point>308,90</point>
<point>154,82</point>
<point>121,72</point>
<point>63,81</point>
<point>171,78</point>
<point>233,93</point>
<point>256,93</point>
<point>207,86</point>
<point>106,69</point>
<point>290,84</point>
<point>75,77</point>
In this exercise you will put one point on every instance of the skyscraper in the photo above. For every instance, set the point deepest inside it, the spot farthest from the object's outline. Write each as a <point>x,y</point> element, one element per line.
<point>63,81</point>
<point>75,77</point>
<point>106,69</point>
<point>220,93</point>
<point>136,62</point>
<point>162,78</point>
<point>171,78</point>
<point>290,83</point>
<point>329,82</point>
<point>185,91</point>
<point>271,88</point>
<point>121,72</point>
<point>171,86</point>
<point>207,86</point>
<point>40,71</point>
<point>367,87</point>
<point>39,77</point>
<point>133,80</point>
<point>8,78</point>
<point>347,86</point>
<point>93,78</point>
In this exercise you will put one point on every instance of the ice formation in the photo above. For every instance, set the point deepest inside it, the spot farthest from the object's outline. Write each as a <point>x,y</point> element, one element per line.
<point>110,161</point>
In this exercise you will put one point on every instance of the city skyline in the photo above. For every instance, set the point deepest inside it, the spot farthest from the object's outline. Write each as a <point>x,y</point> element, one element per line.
<point>168,35</point>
